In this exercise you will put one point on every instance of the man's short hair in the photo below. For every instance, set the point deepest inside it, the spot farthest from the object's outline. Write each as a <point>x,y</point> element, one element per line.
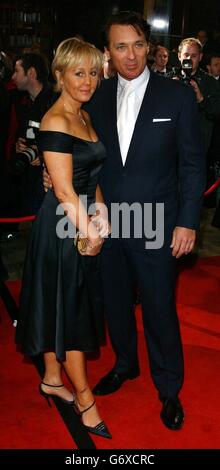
<point>38,62</point>
<point>128,18</point>
<point>192,42</point>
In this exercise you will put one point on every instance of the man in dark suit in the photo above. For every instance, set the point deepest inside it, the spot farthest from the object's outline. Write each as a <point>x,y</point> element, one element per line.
<point>149,125</point>
<point>155,158</point>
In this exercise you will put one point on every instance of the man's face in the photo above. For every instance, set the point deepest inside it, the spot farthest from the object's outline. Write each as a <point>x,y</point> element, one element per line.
<point>191,51</point>
<point>21,80</point>
<point>128,50</point>
<point>214,67</point>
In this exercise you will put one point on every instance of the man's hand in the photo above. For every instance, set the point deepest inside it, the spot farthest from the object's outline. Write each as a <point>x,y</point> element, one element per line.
<point>94,248</point>
<point>183,241</point>
<point>46,180</point>
<point>20,145</point>
<point>102,224</point>
<point>36,162</point>
<point>198,93</point>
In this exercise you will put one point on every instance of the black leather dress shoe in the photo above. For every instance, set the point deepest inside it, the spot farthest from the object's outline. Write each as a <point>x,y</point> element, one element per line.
<point>111,382</point>
<point>172,413</point>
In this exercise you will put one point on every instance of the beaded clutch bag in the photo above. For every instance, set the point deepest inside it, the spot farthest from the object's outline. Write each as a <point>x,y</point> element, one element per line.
<point>81,243</point>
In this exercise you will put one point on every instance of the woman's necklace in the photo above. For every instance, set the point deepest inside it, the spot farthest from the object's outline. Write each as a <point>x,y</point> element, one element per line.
<point>79,114</point>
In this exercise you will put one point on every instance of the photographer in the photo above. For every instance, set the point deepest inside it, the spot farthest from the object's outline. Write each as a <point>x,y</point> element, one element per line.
<point>31,75</point>
<point>205,87</point>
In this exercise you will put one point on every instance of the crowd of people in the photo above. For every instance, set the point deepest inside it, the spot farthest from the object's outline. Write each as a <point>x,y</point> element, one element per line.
<point>141,136</point>
<point>25,98</point>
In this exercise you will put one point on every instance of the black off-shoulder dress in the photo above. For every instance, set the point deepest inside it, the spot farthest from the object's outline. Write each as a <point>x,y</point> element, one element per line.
<point>61,305</point>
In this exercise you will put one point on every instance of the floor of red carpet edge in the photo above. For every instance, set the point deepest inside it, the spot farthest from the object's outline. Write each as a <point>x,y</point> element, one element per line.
<point>132,414</point>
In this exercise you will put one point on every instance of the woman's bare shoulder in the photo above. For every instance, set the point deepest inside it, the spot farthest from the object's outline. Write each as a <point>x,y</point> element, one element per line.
<point>54,120</point>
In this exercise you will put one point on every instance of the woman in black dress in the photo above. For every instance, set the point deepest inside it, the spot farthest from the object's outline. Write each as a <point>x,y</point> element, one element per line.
<point>61,312</point>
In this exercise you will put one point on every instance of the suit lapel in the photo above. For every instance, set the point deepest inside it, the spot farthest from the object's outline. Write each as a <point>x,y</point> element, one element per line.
<point>111,117</point>
<point>144,119</point>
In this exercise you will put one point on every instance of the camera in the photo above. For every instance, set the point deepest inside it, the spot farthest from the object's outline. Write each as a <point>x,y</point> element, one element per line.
<point>186,71</point>
<point>22,160</point>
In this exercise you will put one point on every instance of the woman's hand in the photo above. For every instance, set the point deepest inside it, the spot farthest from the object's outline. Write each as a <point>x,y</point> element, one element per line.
<point>47,183</point>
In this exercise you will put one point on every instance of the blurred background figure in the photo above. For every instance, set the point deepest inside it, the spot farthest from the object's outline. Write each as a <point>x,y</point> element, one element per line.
<point>202,36</point>
<point>5,111</point>
<point>34,96</point>
<point>207,94</point>
<point>108,69</point>
<point>31,75</point>
<point>213,68</point>
<point>205,87</point>
<point>213,65</point>
<point>161,58</point>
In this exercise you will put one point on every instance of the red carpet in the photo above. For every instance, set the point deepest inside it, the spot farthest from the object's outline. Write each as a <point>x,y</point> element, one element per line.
<point>26,419</point>
<point>132,414</point>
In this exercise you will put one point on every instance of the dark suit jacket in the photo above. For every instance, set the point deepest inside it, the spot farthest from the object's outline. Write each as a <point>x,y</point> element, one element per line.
<point>165,162</point>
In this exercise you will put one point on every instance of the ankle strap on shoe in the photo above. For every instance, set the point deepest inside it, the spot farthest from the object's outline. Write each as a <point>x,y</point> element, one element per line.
<point>55,386</point>
<point>87,409</point>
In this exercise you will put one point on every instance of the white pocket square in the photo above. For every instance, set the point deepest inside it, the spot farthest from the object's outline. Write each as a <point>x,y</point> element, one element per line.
<point>162,120</point>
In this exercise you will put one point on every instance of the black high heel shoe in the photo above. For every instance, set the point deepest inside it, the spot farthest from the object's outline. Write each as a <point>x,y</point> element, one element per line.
<point>47,396</point>
<point>100,429</point>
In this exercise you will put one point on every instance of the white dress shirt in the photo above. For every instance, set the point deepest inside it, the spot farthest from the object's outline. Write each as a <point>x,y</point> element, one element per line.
<point>130,95</point>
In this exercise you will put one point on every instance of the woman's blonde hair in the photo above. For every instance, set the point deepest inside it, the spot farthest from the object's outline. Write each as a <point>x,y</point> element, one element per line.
<point>71,53</point>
